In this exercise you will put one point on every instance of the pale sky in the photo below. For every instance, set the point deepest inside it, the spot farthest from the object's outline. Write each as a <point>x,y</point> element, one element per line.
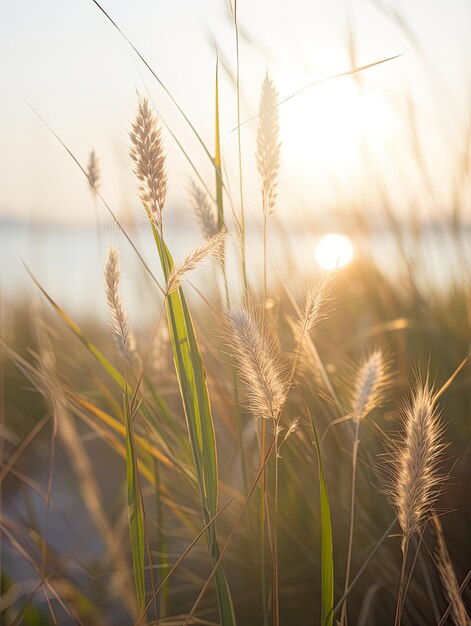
<point>65,58</point>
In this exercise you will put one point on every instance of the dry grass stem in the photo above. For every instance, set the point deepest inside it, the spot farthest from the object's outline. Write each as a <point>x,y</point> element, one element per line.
<point>448,577</point>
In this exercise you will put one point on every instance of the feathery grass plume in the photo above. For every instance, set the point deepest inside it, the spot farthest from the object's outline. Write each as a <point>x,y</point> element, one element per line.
<point>93,172</point>
<point>258,362</point>
<point>204,211</point>
<point>448,577</point>
<point>415,461</point>
<point>371,381</point>
<point>268,146</point>
<point>314,299</point>
<point>119,318</point>
<point>148,154</point>
<point>212,246</point>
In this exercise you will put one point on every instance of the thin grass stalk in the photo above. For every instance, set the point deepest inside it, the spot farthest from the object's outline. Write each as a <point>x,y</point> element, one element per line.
<point>267,384</point>
<point>231,533</point>
<point>356,444</point>
<point>263,526</point>
<point>219,182</point>
<point>415,470</point>
<point>180,560</point>
<point>371,381</point>
<point>268,160</point>
<point>121,329</point>
<point>239,154</point>
<point>276,591</point>
<point>402,583</point>
<point>448,577</point>
<point>327,574</point>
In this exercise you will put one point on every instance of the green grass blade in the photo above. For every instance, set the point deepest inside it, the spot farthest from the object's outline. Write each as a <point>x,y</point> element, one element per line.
<point>164,410</point>
<point>327,574</point>
<point>135,512</point>
<point>191,377</point>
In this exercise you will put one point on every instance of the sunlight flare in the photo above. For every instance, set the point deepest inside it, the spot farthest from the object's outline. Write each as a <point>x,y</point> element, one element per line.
<point>334,251</point>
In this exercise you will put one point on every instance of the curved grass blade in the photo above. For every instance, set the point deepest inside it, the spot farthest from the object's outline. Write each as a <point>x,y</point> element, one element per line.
<point>107,366</point>
<point>191,377</point>
<point>327,575</point>
<point>135,509</point>
<point>113,423</point>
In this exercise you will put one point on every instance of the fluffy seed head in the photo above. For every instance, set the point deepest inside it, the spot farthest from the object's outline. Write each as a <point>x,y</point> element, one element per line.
<point>371,381</point>
<point>119,319</point>
<point>93,172</point>
<point>212,246</point>
<point>148,155</point>
<point>315,297</point>
<point>268,146</point>
<point>204,211</point>
<point>414,459</point>
<point>259,364</point>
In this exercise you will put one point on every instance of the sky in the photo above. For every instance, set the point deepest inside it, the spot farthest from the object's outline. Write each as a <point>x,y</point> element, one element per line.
<point>67,61</point>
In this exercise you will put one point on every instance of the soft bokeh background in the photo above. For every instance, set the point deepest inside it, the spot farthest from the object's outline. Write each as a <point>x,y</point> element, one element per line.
<point>398,131</point>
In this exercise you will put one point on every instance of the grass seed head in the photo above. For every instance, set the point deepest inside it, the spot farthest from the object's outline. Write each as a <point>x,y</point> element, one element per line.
<point>268,145</point>
<point>259,363</point>
<point>148,155</point>
<point>414,459</point>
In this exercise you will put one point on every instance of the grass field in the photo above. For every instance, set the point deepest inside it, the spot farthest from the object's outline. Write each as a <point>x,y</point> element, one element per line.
<point>282,444</point>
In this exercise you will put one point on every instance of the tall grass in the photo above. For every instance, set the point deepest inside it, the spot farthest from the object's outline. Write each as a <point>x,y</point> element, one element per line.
<point>253,408</point>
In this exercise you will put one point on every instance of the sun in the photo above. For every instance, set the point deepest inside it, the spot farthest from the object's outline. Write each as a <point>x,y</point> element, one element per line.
<point>334,251</point>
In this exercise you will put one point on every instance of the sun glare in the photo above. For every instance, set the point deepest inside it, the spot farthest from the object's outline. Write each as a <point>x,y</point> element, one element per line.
<point>328,127</point>
<point>334,251</point>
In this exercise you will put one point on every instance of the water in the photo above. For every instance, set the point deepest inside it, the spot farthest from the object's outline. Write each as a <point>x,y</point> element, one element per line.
<point>68,261</point>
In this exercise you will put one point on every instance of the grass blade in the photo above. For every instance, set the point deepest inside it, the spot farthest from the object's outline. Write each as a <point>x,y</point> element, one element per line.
<point>195,396</point>
<point>327,593</point>
<point>135,511</point>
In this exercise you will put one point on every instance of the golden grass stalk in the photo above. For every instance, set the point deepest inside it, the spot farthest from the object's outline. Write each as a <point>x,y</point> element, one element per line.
<point>119,318</point>
<point>414,460</point>
<point>148,155</point>
<point>448,577</point>
<point>259,363</point>
<point>370,383</point>
<point>214,245</point>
